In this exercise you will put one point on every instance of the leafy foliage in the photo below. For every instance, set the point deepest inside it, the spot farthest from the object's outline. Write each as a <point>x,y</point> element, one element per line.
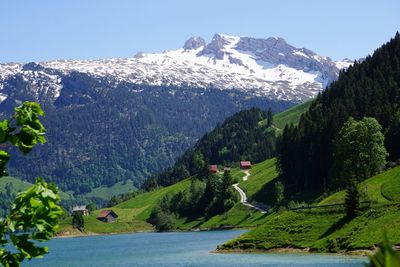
<point>34,216</point>
<point>161,217</point>
<point>24,131</point>
<point>370,88</point>
<point>7,196</point>
<point>359,151</point>
<point>386,256</point>
<point>204,198</point>
<point>34,213</point>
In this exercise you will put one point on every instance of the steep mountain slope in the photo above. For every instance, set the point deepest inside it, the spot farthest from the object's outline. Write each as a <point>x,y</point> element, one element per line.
<point>140,206</point>
<point>245,135</point>
<point>370,88</point>
<point>118,119</point>
<point>130,132</point>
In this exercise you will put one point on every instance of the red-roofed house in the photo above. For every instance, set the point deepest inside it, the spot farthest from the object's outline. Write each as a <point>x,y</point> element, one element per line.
<point>245,165</point>
<point>213,168</point>
<point>107,216</point>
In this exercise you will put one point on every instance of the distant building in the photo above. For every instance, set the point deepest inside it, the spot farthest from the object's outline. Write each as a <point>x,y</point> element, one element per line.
<point>227,169</point>
<point>213,168</point>
<point>81,209</point>
<point>107,216</point>
<point>245,165</point>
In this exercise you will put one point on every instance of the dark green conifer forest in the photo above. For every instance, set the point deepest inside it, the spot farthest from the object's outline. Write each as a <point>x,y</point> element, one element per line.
<point>369,88</point>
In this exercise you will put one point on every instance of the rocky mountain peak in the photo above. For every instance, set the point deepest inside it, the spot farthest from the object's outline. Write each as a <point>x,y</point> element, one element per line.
<point>265,66</point>
<point>218,44</point>
<point>194,43</point>
<point>259,44</point>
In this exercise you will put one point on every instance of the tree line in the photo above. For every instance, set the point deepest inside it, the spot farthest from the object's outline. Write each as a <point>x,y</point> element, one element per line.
<point>240,137</point>
<point>369,88</point>
<point>118,133</point>
<point>208,195</point>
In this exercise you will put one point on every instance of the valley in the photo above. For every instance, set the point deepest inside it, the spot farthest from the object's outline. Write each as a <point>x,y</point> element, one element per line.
<point>212,133</point>
<point>314,220</point>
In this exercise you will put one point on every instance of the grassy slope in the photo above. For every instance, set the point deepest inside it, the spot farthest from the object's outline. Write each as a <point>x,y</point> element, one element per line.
<point>240,216</point>
<point>322,230</point>
<point>108,192</point>
<point>132,213</point>
<point>20,185</point>
<point>381,188</point>
<point>291,115</point>
<point>260,175</point>
<point>327,229</point>
<point>17,184</point>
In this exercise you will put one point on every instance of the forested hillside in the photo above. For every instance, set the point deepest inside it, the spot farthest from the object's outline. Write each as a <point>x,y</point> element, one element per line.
<point>370,88</point>
<point>247,135</point>
<point>241,137</point>
<point>99,135</point>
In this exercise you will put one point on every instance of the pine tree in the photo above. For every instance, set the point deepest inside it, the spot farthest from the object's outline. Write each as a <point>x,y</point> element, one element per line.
<point>270,117</point>
<point>352,201</point>
<point>279,192</point>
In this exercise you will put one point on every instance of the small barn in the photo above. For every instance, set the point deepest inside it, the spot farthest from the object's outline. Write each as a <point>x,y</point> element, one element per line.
<point>213,168</point>
<point>244,165</point>
<point>107,216</point>
<point>81,209</point>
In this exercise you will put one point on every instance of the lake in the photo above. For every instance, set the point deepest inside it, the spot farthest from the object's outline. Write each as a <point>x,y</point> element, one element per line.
<point>172,249</point>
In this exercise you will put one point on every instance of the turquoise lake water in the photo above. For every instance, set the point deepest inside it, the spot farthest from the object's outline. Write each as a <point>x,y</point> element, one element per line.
<point>172,249</point>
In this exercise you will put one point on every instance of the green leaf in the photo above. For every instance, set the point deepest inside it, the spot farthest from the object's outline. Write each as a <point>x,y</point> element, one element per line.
<point>4,130</point>
<point>4,158</point>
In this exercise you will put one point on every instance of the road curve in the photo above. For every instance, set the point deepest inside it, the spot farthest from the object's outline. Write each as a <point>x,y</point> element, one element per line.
<point>243,199</point>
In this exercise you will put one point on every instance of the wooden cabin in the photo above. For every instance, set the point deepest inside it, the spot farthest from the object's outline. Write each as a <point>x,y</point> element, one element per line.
<point>213,168</point>
<point>244,165</point>
<point>81,209</point>
<point>107,216</point>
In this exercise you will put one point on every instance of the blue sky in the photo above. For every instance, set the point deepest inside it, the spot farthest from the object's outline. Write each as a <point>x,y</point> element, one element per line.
<point>87,29</point>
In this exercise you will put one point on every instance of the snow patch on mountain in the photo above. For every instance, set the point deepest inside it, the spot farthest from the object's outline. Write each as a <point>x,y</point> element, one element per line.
<point>344,64</point>
<point>268,67</point>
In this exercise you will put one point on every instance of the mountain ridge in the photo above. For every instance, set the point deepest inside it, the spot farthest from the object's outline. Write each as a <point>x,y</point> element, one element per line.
<point>267,67</point>
<point>156,105</point>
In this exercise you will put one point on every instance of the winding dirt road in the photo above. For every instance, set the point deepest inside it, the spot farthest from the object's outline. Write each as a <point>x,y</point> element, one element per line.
<point>243,197</point>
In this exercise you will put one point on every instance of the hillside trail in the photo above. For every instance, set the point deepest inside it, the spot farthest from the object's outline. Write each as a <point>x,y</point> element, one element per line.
<point>243,197</point>
<point>246,174</point>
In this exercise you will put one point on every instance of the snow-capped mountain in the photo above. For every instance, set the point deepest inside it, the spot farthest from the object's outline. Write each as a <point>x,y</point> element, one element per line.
<point>264,67</point>
<point>117,119</point>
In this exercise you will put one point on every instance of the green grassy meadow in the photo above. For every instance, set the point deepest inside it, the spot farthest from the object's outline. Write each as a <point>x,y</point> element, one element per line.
<point>320,229</point>
<point>20,185</point>
<point>108,192</point>
<point>327,229</point>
